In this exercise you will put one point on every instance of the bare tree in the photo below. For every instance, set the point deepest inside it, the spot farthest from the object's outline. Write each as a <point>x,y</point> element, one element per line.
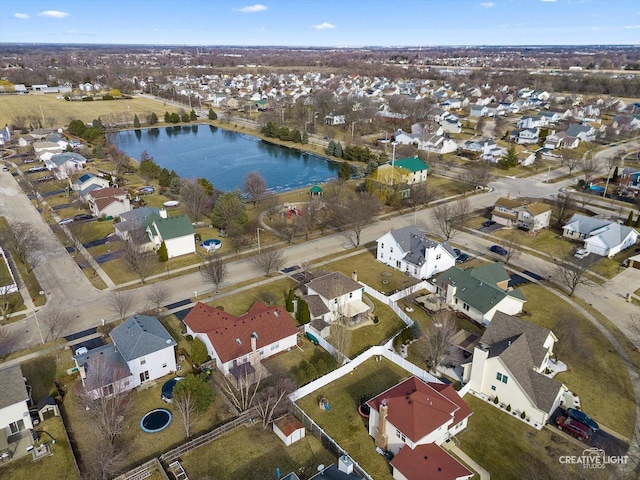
<point>341,338</point>
<point>195,199</point>
<point>273,398</point>
<point>105,459</point>
<point>120,302</point>
<point>589,166</point>
<point>255,186</point>
<point>214,270</point>
<point>478,175</point>
<point>563,208</point>
<point>243,396</point>
<point>10,301</point>
<point>157,294</point>
<point>571,159</point>
<point>570,276</point>
<point>22,239</point>
<point>359,214</point>
<point>104,396</point>
<point>54,321</point>
<point>271,206</point>
<point>8,341</point>
<point>420,195</point>
<point>269,261</point>
<point>289,228</point>
<point>512,246</point>
<point>436,339</point>
<point>136,257</point>
<point>451,217</point>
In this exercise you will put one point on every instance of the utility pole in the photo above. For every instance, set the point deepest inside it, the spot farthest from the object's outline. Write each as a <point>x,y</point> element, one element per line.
<point>393,161</point>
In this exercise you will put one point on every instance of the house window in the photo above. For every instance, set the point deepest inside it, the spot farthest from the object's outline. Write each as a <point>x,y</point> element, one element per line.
<point>335,301</point>
<point>144,376</point>
<point>493,387</point>
<point>504,379</point>
<point>164,365</point>
<point>275,346</point>
<point>391,249</point>
<point>398,264</point>
<point>382,246</point>
<point>350,294</point>
<point>16,426</point>
<point>465,307</point>
<point>401,435</point>
<point>143,361</point>
<point>499,377</point>
<point>438,256</point>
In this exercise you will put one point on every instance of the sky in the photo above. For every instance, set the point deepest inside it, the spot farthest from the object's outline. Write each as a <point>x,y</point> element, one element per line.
<point>322,23</point>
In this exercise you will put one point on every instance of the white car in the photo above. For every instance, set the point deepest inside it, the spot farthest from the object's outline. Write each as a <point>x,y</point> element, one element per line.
<point>64,221</point>
<point>581,253</point>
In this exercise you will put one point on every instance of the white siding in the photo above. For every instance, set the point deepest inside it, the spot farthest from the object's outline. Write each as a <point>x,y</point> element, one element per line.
<point>158,364</point>
<point>180,246</point>
<point>13,413</point>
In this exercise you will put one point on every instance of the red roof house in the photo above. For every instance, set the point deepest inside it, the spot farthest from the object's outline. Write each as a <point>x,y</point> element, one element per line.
<point>427,461</point>
<point>233,341</point>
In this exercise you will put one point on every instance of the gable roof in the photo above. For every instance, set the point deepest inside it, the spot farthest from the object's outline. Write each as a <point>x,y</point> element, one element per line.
<point>133,218</point>
<point>520,346</point>
<point>107,192</point>
<point>62,158</point>
<point>140,335</point>
<point>333,285</point>
<point>413,242</point>
<point>12,387</point>
<point>428,461</point>
<point>413,164</point>
<point>171,227</point>
<point>271,324</point>
<point>604,232</point>
<point>478,287</point>
<point>417,408</point>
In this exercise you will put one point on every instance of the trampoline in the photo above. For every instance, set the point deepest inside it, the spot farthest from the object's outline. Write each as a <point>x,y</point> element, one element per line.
<point>155,420</point>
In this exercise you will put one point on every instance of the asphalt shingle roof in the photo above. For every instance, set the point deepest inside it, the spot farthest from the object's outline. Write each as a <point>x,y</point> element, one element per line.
<point>140,335</point>
<point>411,240</point>
<point>171,227</point>
<point>333,285</point>
<point>12,387</point>
<point>413,164</point>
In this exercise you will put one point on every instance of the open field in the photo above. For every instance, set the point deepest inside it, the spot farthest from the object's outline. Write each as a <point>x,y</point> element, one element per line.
<point>48,106</point>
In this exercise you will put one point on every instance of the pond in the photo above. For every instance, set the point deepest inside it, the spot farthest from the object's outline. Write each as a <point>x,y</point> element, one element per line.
<point>224,157</point>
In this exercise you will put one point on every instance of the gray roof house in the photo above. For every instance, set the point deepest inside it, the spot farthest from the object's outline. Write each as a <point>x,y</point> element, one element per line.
<point>65,164</point>
<point>141,350</point>
<point>602,237</point>
<point>331,296</point>
<point>510,362</point>
<point>133,219</point>
<point>14,408</point>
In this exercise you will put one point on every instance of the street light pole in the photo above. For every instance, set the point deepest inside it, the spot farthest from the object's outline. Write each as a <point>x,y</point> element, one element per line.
<point>35,315</point>
<point>393,161</point>
<point>258,232</point>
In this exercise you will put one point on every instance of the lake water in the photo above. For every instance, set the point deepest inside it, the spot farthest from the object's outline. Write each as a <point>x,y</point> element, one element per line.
<point>224,157</point>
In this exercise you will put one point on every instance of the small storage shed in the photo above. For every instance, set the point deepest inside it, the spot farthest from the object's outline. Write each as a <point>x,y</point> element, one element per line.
<point>289,429</point>
<point>47,408</point>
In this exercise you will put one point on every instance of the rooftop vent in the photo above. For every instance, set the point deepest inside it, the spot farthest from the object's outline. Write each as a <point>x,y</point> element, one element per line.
<point>254,334</point>
<point>238,341</point>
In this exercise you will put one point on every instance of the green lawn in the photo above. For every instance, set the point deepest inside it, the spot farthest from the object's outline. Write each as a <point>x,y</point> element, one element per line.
<point>343,423</point>
<point>546,241</point>
<point>596,372</point>
<point>43,371</point>
<point>305,363</point>
<point>510,449</point>
<point>272,292</point>
<point>253,453</point>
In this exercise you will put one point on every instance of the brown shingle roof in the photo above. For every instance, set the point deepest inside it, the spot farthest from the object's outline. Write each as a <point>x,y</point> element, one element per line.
<point>107,192</point>
<point>334,285</point>
<point>428,461</point>
<point>12,388</point>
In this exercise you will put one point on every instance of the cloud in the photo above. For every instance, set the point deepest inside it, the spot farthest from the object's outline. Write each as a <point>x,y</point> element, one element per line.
<point>632,26</point>
<point>548,1</point>
<point>487,4</point>
<point>21,16</point>
<point>53,14</point>
<point>251,8</point>
<point>323,26</point>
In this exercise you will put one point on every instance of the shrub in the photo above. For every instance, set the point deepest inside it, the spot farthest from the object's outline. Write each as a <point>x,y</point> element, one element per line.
<point>198,351</point>
<point>496,400</point>
<point>289,302</point>
<point>415,330</point>
<point>87,99</point>
<point>523,415</point>
<point>163,254</point>
<point>189,338</point>
<point>509,408</point>
<point>376,320</point>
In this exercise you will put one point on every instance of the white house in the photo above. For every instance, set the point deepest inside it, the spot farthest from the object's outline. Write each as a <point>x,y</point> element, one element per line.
<point>415,417</point>
<point>409,250</point>
<point>177,233</point>
<point>334,119</point>
<point>133,220</point>
<point>437,144</point>
<point>479,110</point>
<point>109,201</point>
<point>333,295</point>
<point>404,138</point>
<point>44,147</point>
<point>87,183</point>
<point>479,292</point>
<point>518,212</point>
<point>141,351</point>
<point>238,344</point>
<point>14,406</point>
<point>509,363</point>
<point>586,133</point>
<point>602,237</point>
<point>63,165</point>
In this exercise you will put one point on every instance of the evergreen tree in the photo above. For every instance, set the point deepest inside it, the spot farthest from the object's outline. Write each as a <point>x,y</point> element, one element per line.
<point>337,152</point>
<point>331,147</point>
<point>296,136</point>
<point>510,159</point>
<point>163,254</point>
<point>192,115</point>
<point>174,118</point>
<point>136,122</point>
<point>212,115</point>
<point>198,351</point>
<point>290,298</point>
<point>344,172</point>
<point>185,117</point>
<point>629,221</point>
<point>303,312</point>
<point>153,119</point>
<point>164,179</point>
<point>167,117</point>
<point>305,138</point>
<point>637,225</point>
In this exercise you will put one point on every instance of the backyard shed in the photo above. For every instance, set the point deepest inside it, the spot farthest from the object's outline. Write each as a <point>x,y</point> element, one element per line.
<point>289,429</point>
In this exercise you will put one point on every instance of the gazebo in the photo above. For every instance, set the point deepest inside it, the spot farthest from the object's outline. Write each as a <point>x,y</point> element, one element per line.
<point>315,191</point>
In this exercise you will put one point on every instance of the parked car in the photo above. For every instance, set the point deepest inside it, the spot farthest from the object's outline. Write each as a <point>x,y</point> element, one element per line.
<point>37,169</point>
<point>82,216</point>
<point>457,251</point>
<point>498,249</point>
<point>46,178</point>
<point>64,221</point>
<point>488,223</point>
<point>582,417</point>
<point>463,257</point>
<point>573,428</point>
<point>29,160</point>
<point>581,253</point>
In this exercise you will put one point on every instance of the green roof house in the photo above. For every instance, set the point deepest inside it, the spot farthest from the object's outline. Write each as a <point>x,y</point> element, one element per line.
<point>479,292</point>
<point>408,170</point>
<point>177,233</point>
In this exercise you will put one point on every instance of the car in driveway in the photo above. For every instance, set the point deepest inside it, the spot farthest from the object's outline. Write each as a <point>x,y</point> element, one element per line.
<point>489,223</point>
<point>64,221</point>
<point>463,257</point>
<point>46,178</point>
<point>581,253</point>
<point>498,249</point>
<point>582,417</point>
<point>574,428</point>
<point>82,216</point>
<point>457,251</point>
<point>37,169</point>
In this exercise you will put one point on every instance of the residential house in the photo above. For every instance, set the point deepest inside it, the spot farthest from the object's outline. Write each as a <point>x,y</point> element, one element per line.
<point>509,363</point>
<point>479,147</point>
<point>479,110</point>
<point>518,212</point>
<point>532,122</point>
<point>410,251</point>
<point>110,201</point>
<point>332,295</point>
<point>560,140</point>
<point>14,408</point>
<point>132,220</point>
<point>551,117</point>
<point>142,350</point>
<point>5,135</point>
<point>334,119</point>
<point>409,171</point>
<point>436,144</point>
<point>450,124</point>
<point>526,158</point>
<point>602,237</point>
<point>44,149</point>
<point>451,104</point>
<point>479,292</point>
<point>63,165</point>
<point>237,344</point>
<point>525,136</point>
<point>177,233</point>
<point>86,181</point>
<point>411,420</point>
<point>586,133</point>
<point>404,138</point>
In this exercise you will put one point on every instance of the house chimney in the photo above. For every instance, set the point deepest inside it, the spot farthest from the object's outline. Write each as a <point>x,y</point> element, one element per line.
<point>254,341</point>
<point>163,213</point>
<point>381,439</point>
<point>354,276</point>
